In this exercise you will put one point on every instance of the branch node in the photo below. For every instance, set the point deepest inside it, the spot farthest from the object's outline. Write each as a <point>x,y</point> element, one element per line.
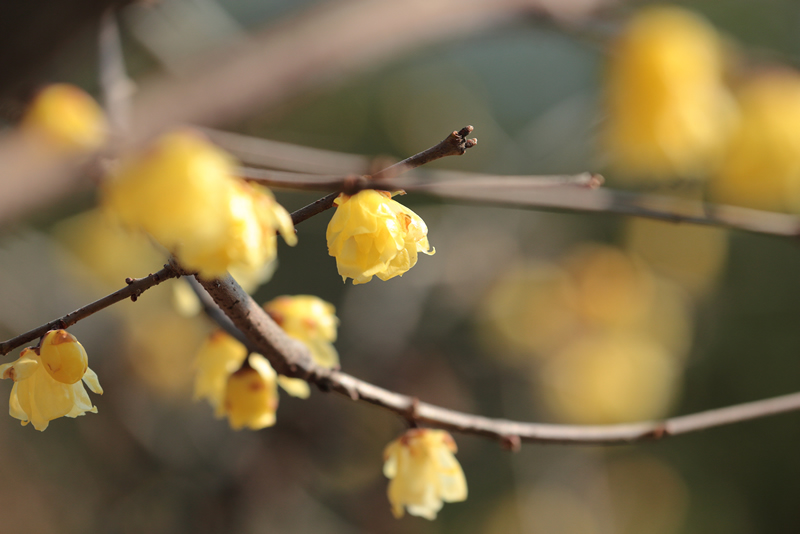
<point>412,412</point>
<point>130,280</point>
<point>511,443</point>
<point>659,431</point>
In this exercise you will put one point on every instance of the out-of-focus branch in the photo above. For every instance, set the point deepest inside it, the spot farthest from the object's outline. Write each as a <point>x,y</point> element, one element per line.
<point>455,144</point>
<point>134,288</point>
<point>292,358</point>
<point>115,86</point>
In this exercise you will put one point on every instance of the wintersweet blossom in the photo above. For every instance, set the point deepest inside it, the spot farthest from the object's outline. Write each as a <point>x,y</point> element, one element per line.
<point>372,235</point>
<point>761,167</point>
<point>220,357</point>
<point>47,381</point>
<point>184,194</point>
<point>65,119</point>
<point>424,473</point>
<point>312,321</point>
<point>668,108</point>
<point>251,395</point>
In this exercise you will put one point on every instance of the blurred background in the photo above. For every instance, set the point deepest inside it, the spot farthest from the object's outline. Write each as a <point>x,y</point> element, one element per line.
<point>521,314</point>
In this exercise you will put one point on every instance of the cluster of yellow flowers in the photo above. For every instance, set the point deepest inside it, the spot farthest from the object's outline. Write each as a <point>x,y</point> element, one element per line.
<point>224,369</point>
<point>672,114</point>
<point>610,335</point>
<point>424,472</point>
<point>47,381</point>
<point>182,192</point>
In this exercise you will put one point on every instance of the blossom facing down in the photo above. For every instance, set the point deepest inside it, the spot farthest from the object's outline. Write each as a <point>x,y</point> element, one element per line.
<point>761,167</point>
<point>219,357</point>
<point>184,194</point>
<point>43,387</point>
<point>668,108</point>
<point>372,235</point>
<point>424,473</point>
<point>66,119</point>
<point>251,395</point>
<point>310,320</point>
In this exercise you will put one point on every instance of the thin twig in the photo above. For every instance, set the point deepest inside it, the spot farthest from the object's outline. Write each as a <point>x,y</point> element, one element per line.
<point>116,88</point>
<point>455,144</point>
<point>134,288</point>
<point>293,359</point>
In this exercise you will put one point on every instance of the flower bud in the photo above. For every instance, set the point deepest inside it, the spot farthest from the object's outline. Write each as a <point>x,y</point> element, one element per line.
<point>66,119</point>
<point>63,357</point>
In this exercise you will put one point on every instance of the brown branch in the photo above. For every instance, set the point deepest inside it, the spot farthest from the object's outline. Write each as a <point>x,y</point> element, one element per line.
<point>134,288</point>
<point>455,144</point>
<point>291,358</point>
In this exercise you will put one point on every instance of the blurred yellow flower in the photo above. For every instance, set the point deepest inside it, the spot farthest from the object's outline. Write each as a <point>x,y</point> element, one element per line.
<point>539,308</point>
<point>312,321</point>
<point>106,250</point>
<point>183,193</point>
<point>43,388</point>
<point>424,473</point>
<point>668,109</point>
<point>372,235</point>
<point>611,378</point>
<point>761,164</point>
<point>65,119</point>
<point>219,357</point>
<point>251,395</point>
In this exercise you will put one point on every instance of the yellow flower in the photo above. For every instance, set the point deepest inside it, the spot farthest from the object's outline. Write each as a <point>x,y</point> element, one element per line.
<point>47,384</point>
<point>183,193</point>
<point>761,167</point>
<point>423,472</point>
<point>66,119</point>
<point>611,378</point>
<point>219,357</point>
<point>668,109</point>
<point>371,234</point>
<point>310,320</point>
<point>251,395</point>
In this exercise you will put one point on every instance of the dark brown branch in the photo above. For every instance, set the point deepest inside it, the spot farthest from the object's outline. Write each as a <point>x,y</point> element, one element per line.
<point>455,144</point>
<point>134,288</point>
<point>291,358</point>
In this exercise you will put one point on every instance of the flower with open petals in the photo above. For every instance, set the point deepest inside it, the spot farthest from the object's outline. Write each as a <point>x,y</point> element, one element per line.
<point>65,119</point>
<point>312,321</point>
<point>372,235</point>
<point>251,395</point>
<point>47,381</point>
<point>424,473</point>
<point>184,194</point>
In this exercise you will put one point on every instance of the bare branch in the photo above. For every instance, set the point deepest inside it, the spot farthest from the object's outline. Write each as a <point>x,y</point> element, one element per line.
<point>291,358</point>
<point>455,144</point>
<point>134,288</point>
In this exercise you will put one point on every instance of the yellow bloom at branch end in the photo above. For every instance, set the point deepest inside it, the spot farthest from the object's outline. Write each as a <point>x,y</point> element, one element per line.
<point>669,111</point>
<point>184,194</point>
<point>65,119</point>
<point>424,473</point>
<point>761,167</point>
<point>47,381</point>
<point>372,235</point>
<point>310,320</point>
<point>251,395</point>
